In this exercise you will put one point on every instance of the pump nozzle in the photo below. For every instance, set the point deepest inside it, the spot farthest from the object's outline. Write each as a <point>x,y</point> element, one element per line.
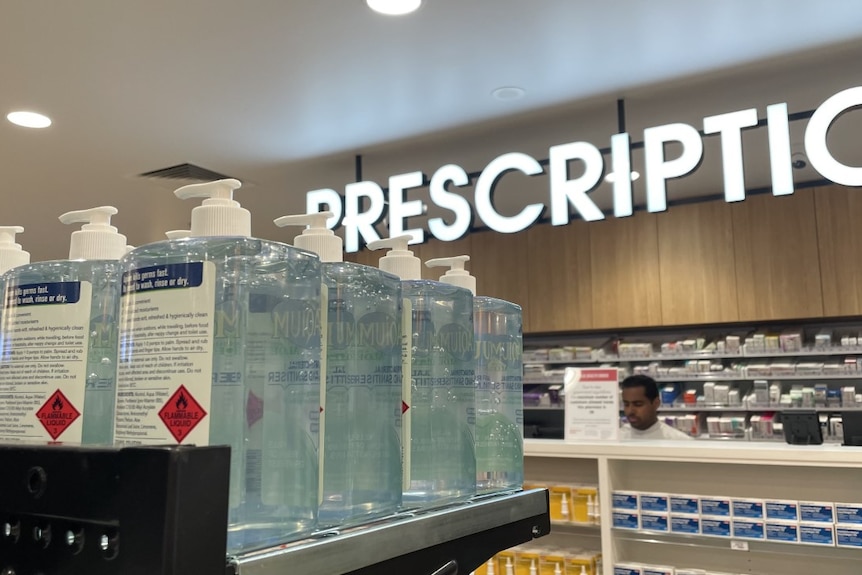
<point>316,237</point>
<point>399,260</point>
<point>490,567</point>
<point>97,239</point>
<point>456,275</point>
<point>510,568</point>
<point>11,254</point>
<point>219,214</point>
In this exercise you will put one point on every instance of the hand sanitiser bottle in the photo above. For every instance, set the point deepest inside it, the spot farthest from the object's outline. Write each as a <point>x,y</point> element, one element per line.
<point>60,337</point>
<point>361,418</point>
<point>220,345</point>
<point>499,377</point>
<point>437,357</point>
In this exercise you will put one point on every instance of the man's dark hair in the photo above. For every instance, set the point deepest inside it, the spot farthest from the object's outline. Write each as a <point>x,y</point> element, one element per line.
<point>644,381</point>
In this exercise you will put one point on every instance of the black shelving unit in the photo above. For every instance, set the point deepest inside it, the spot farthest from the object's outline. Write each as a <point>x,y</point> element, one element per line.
<point>163,511</point>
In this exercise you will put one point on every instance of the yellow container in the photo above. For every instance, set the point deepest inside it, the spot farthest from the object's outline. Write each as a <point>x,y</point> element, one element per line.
<point>561,503</point>
<point>549,561</point>
<point>503,558</point>
<point>583,502</point>
<point>525,560</point>
<point>575,562</point>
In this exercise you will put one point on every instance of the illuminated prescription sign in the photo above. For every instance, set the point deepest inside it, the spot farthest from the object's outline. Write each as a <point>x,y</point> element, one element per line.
<point>363,204</point>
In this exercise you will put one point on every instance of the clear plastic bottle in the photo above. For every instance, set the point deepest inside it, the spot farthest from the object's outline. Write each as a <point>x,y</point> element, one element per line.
<point>499,384</point>
<point>220,345</point>
<point>437,428</point>
<point>361,417</point>
<point>60,336</point>
<point>11,256</point>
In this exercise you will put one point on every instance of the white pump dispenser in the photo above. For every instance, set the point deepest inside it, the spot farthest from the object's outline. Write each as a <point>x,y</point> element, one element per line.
<point>490,567</point>
<point>456,275</point>
<point>316,237</point>
<point>97,239</point>
<point>178,234</point>
<point>583,570</point>
<point>557,569</point>
<point>533,569</point>
<point>399,260</point>
<point>11,254</point>
<point>219,214</point>
<point>510,567</point>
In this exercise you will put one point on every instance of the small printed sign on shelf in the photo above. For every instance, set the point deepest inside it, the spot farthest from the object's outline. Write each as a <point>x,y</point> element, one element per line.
<point>592,404</point>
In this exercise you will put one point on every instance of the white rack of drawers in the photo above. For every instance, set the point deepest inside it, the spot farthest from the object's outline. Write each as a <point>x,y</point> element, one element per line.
<point>731,468</point>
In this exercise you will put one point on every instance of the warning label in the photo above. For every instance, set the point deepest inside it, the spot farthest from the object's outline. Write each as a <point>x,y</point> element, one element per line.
<point>181,414</point>
<point>57,414</point>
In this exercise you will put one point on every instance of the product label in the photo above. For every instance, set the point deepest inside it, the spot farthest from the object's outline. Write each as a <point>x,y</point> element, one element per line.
<point>816,512</point>
<point>848,535</point>
<point>43,368</point>
<point>654,522</point>
<point>782,510</point>
<point>166,341</point>
<point>814,534</point>
<point>627,570</point>
<point>684,504</point>
<point>689,524</point>
<point>626,520</point>
<point>745,529</point>
<point>784,532</point>
<point>715,527</point>
<point>715,506</point>
<point>654,570</point>
<point>848,513</point>
<point>653,502</point>
<point>624,500</point>
<point>406,391</point>
<point>751,509</point>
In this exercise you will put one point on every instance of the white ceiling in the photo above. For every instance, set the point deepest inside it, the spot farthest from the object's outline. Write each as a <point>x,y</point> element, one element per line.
<point>283,93</point>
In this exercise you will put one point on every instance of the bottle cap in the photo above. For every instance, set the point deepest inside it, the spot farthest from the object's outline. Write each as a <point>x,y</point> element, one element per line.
<point>11,254</point>
<point>456,275</point>
<point>316,237</point>
<point>399,260</point>
<point>219,214</point>
<point>97,239</point>
<point>178,234</point>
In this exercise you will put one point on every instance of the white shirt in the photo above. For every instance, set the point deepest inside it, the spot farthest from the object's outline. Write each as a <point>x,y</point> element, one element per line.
<point>659,430</point>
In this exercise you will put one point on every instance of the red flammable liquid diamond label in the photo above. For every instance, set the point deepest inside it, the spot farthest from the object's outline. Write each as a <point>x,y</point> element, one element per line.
<point>181,414</point>
<point>253,409</point>
<point>404,407</point>
<point>57,414</point>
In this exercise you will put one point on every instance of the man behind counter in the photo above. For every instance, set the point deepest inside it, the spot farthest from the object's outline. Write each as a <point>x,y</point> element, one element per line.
<point>640,404</point>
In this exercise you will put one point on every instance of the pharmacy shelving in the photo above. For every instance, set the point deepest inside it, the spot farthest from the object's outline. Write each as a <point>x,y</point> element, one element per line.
<point>761,409</point>
<point>722,468</point>
<point>836,351</point>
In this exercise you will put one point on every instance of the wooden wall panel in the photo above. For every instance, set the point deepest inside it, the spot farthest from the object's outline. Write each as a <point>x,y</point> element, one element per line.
<point>696,264</point>
<point>777,260</point>
<point>499,262</point>
<point>625,272</point>
<point>560,278</point>
<point>839,212</point>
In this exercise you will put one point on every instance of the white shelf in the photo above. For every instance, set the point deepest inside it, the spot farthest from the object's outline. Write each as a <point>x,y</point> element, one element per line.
<point>754,409</point>
<point>734,452</point>
<point>698,356</point>
<point>720,378</point>
<point>724,543</point>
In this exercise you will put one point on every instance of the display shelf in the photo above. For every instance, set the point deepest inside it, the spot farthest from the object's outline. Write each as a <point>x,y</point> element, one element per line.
<point>530,408</point>
<point>591,529</point>
<point>737,545</point>
<point>733,452</point>
<point>453,540</point>
<point>772,409</point>
<point>698,356</point>
<point>722,378</point>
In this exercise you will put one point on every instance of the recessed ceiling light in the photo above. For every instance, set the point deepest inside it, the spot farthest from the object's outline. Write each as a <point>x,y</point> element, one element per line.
<point>610,177</point>
<point>29,119</point>
<point>508,93</point>
<point>394,7</point>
